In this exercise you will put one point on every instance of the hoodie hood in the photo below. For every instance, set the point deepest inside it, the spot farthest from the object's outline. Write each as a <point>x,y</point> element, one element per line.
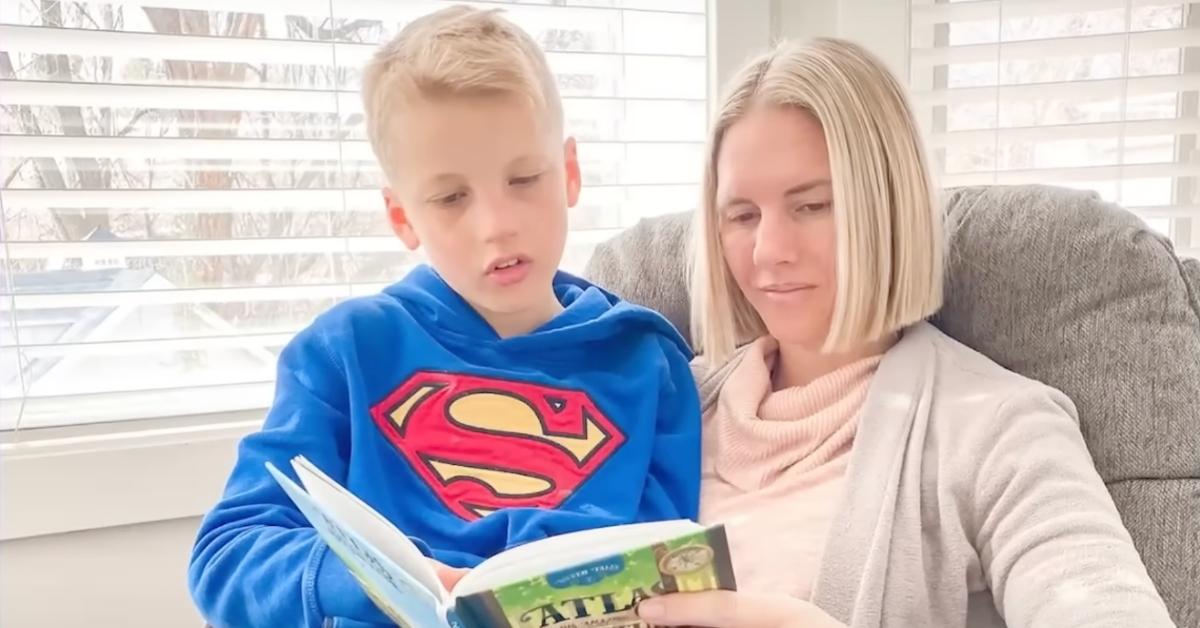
<point>590,314</point>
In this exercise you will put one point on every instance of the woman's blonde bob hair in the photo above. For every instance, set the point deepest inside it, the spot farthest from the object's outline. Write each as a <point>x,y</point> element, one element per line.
<point>889,233</point>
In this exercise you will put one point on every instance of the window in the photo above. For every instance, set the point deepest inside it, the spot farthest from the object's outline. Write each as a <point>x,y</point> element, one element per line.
<point>1094,94</point>
<point>186,183</point>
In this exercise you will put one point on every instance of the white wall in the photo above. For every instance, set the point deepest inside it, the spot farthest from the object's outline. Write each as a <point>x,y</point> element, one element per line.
<point>744,28</point>
<point>880,25</point>
<point>96,528</point>
<point>123,577</point>
<point>747,27</point>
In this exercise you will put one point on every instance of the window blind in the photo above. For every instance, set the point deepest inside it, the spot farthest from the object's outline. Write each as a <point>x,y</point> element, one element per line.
<point>186,183</point>
<point>1093,94</point>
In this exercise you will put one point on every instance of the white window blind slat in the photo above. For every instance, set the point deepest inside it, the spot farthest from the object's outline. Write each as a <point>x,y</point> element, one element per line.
<point>929,12</point>
<point>186,183</point>
<point>1165,211</point>
<point>1049,133</point>
<point>381,8</point>
<point>175,149</point>
<point>530,14</point>
<point>239,246</point>
<point>642,199</point>
<point>136,298</point>
<point>212,49</point>
<point>1051,176</point>
<point>190,248</point>
<point>262,7</point>
<point>1056,47</point>
<point>306,200</point>
<point>260,342</point>
<point>46,93</point>
<point>344,102</point>
<point>1085,89</point>
<point>1092,94</point>
<point>113,405</point>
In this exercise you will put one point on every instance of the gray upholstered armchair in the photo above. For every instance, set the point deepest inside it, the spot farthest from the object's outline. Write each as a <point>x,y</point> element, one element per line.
<point>1064,288</point>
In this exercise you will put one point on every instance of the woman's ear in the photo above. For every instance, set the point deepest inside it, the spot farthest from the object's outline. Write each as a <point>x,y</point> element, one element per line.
<point>398,217</point>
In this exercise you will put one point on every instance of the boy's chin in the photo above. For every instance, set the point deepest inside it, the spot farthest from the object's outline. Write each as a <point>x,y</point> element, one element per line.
<point>515,299</point>
<point>517,313</point>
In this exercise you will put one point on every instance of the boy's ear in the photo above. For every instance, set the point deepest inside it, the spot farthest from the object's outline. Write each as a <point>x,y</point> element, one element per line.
<point>574,178</point>
<point>399,219</point>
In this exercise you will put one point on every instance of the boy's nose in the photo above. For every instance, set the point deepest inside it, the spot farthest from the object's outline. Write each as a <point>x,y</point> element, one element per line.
<point>495,221</point>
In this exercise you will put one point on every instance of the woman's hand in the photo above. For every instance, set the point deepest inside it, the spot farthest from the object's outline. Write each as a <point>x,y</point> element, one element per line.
<point>730,609</point>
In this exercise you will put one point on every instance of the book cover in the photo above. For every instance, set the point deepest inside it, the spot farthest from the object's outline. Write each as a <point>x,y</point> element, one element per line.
<point>605,593</point>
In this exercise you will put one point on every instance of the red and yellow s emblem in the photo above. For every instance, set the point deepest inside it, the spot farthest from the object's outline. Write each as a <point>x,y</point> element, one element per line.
<point>482,443</point>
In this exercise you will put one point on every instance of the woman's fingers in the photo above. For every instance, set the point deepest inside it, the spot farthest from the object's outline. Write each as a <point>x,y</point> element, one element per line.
<point>729,609</point>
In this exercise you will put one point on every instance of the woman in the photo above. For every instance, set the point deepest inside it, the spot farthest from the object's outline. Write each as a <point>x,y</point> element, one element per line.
<point>870,470</point>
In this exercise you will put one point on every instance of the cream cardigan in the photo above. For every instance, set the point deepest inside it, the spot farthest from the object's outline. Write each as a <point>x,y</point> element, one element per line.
<point>971,501</point>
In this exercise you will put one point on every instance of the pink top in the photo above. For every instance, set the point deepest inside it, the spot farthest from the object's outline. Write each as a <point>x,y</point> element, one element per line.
<point>774,465</point>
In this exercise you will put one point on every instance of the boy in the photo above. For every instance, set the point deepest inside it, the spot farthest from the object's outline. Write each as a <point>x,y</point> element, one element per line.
<point>479,404</point>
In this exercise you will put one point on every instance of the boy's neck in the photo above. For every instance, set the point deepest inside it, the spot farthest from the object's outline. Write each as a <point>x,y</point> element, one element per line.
<point>509,324</point>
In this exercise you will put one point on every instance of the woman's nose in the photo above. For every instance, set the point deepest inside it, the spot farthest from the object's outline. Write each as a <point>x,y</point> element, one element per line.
<point>773,243</point>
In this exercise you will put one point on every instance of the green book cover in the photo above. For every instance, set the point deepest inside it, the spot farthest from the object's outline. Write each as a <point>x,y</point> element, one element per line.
<point>605,592</point>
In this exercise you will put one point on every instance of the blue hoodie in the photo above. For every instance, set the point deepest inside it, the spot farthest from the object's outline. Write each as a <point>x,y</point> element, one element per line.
<point>468,443</point>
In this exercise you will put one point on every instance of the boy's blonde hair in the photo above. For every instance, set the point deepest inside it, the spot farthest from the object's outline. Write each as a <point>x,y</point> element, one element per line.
<point>457,51</point>
<point>889,229</point>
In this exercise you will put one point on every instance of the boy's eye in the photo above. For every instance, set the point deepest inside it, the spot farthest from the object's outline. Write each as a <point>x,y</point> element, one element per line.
<point>528,180</point>
<point>449,199</point>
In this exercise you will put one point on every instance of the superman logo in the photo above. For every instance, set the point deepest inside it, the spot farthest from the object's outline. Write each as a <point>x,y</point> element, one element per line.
<point>482,444</point>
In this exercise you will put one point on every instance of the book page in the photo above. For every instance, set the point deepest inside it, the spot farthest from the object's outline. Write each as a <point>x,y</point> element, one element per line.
<point>373,527</point>
<point>539,557</point>
<point>397,593</point>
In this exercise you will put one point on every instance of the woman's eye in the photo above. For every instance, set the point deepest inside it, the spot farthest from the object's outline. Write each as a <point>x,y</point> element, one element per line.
<point>806,208</point>
<point>742,217</point>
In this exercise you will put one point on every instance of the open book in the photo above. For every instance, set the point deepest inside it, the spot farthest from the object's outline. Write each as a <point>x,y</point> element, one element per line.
<point>591,579</point>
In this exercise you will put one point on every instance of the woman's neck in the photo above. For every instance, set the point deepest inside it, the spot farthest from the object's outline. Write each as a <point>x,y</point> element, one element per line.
<point>798,365</point>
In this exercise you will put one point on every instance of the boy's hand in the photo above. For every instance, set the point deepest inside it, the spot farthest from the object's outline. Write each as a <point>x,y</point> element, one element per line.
<point>448,575</point>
